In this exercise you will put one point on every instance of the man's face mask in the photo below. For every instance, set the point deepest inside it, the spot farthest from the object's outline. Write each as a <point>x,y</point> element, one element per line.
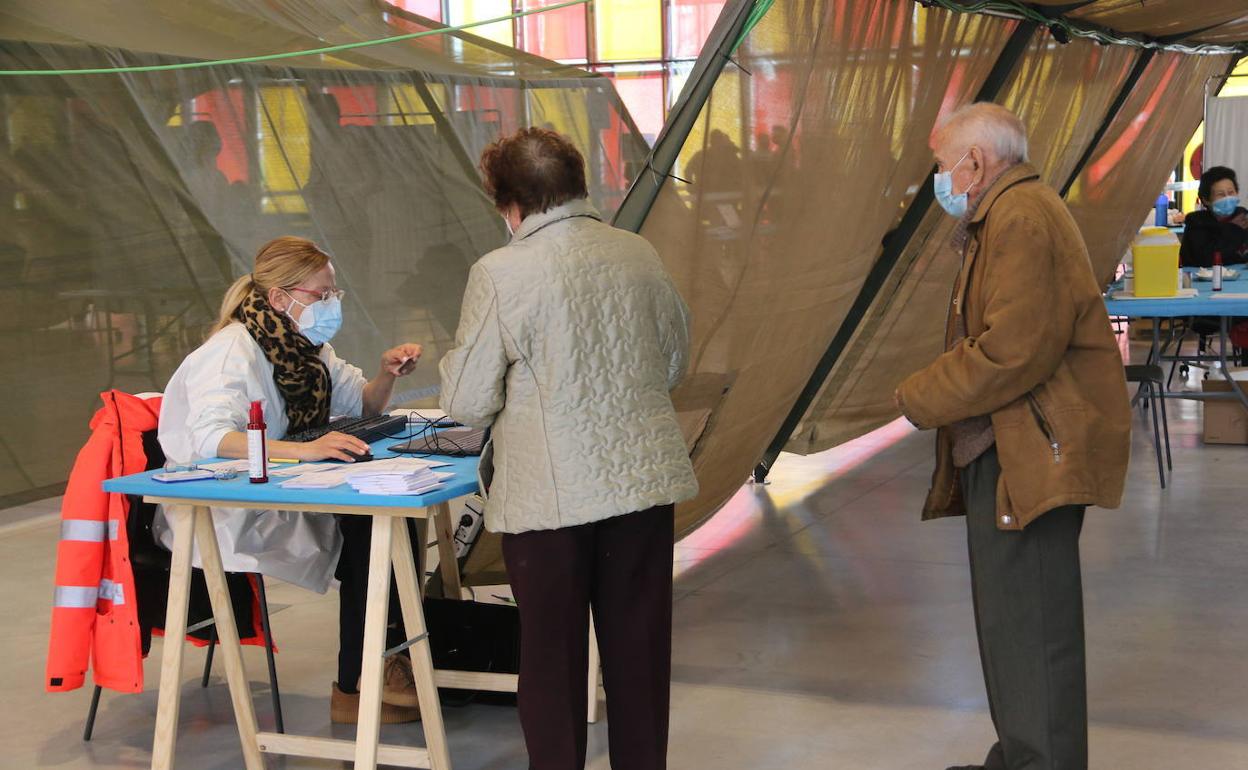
<point>1224,207</point>
<point>321,320</point>
<point>955,205</point>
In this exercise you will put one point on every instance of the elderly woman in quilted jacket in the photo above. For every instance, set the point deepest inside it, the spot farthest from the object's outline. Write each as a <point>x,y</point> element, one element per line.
<point>570,340</point>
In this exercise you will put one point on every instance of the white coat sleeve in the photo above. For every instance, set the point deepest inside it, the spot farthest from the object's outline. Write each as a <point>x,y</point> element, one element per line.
<point>675,338</point>
<point>348,385</point>
<point>474,371</point>
<point>218,397</point>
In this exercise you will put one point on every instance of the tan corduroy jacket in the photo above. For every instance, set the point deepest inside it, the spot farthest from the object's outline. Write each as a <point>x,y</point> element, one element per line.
<point>1040,358</point>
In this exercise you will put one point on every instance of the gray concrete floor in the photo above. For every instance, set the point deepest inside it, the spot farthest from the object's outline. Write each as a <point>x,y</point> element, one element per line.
<point>818,624</point>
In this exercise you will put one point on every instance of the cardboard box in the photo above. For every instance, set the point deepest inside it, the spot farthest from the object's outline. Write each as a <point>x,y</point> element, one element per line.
<point>1226,422</point>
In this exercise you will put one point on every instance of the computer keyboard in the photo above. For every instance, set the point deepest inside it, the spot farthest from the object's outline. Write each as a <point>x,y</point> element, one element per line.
<point>367,429</point>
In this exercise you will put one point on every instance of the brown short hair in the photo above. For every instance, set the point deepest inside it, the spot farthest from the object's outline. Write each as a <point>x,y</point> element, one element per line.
<point>535,169</point>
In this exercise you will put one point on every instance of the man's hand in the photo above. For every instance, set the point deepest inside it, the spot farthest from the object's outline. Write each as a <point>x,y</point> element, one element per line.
<point>401,360</point>
<point>901,407</point>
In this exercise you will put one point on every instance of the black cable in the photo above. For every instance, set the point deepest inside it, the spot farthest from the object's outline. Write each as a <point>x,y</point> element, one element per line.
<point>429,425</point>
<point>429,434</point>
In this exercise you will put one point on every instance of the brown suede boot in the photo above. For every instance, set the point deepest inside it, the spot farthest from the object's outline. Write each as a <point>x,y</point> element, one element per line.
<point>398,683</point>
<point>344,708</point>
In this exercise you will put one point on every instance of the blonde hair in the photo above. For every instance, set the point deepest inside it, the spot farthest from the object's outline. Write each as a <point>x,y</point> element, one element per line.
<point>281,263</point>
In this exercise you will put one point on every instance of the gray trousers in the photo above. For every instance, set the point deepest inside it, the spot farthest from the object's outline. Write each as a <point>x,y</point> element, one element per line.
<point>1028,598</point>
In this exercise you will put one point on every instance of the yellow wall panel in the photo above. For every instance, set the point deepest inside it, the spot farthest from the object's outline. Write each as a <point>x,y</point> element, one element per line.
<point>552,107</point>
<point>408,109</point>
<point>628,30</point>
<point>285,159</point>
<point>468,11</point>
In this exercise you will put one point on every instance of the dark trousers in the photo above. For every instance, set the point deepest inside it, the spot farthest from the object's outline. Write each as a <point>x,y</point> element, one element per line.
<point>1028,600</point>
<point>622,567</point>
<point>352,572</point>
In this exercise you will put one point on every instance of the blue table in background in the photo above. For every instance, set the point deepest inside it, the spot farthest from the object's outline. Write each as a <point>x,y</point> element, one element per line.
<point>187,507</point>
<point>1224,308</point>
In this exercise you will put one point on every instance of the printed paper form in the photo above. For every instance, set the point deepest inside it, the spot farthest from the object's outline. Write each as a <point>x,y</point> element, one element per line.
<point>339,474</point>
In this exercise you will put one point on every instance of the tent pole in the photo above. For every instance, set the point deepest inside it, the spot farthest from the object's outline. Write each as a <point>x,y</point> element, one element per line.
<point>1120,100</point>
<point>895,244</point>
<point>443,125</point>
<point>719,47</point>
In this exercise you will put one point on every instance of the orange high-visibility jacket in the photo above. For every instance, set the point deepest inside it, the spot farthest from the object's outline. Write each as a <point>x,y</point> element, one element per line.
<point>95,616</point>
<point>93,608</point>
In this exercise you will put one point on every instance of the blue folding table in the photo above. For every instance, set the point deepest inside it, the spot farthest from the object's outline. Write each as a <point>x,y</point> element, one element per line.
<point>1225,306</point>
<point>187,507</point>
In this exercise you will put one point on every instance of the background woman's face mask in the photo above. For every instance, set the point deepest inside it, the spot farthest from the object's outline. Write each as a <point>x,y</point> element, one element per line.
<point>319,321</point>
<point>1224,207</point>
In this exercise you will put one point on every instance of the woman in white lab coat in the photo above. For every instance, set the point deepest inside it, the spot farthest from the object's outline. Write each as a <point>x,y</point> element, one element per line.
<point>271,344</point>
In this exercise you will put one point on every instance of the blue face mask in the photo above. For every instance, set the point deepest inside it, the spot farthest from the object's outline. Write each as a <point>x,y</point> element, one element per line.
<point>955,205</point>
<point>319,321</point>
<point>1224,207</point>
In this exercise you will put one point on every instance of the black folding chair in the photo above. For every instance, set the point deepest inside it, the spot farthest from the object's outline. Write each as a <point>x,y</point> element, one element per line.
<point>148,557</point>
<point>1151,393</point>
<point>268,651</point>
<point>1205,329</point>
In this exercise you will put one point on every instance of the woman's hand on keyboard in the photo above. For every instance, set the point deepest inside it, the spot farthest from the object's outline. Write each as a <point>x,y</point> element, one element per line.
<point>333,446</point>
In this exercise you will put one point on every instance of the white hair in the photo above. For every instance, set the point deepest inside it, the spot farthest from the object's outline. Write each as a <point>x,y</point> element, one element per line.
<point>990,127</point>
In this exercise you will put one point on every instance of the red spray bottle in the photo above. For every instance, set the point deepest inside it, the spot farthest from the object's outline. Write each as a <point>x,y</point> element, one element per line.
<point>257,446</point>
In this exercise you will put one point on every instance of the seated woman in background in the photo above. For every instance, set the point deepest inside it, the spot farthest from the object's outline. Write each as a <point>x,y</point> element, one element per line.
<point>271,344</point>
<point>1221,226</point>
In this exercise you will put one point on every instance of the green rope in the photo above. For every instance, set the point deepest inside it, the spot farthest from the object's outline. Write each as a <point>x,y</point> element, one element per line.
<point>760,9</point>
<point>292,54</point>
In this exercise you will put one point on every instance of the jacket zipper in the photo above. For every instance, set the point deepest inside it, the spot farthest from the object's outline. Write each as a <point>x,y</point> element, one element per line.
<point>963,286</point>
<point>1046,427</point>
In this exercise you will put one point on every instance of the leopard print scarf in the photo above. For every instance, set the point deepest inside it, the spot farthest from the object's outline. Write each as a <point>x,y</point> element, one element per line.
<point>301,376</point>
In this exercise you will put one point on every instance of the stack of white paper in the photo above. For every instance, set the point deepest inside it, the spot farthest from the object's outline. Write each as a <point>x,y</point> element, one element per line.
<point>302,468</point>
<point>323,480</point>
<point>416,482</point>
<point>399,473</point>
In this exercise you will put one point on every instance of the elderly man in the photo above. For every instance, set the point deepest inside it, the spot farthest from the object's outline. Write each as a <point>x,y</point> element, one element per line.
<point>1033,422</point>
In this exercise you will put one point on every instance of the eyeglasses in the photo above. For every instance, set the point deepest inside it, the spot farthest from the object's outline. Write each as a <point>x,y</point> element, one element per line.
<point>324,294</point>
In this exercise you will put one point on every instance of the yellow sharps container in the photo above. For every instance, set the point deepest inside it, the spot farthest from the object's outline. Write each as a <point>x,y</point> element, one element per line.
<point>1155,257</point>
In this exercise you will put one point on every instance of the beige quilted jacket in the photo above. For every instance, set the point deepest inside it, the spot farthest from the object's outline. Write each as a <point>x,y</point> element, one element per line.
<point>570,340</point>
